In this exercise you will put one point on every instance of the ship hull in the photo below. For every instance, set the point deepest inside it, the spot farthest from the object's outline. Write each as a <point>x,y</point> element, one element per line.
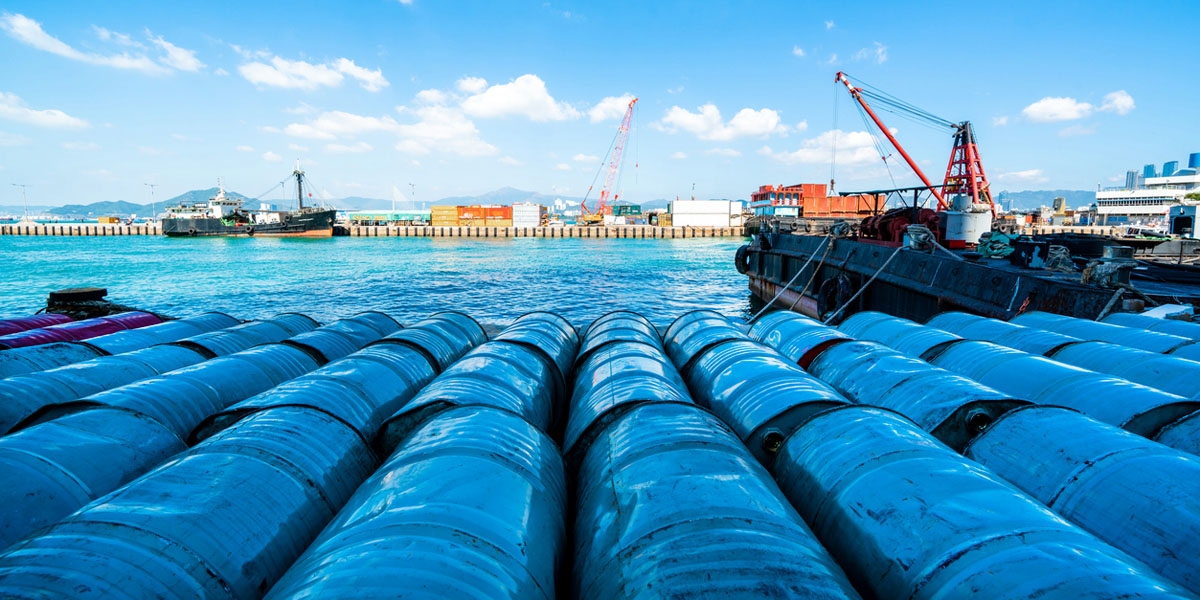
<point>317,224</point>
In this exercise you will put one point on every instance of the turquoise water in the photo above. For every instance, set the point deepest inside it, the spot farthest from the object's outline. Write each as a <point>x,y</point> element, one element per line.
<point>493,280</point>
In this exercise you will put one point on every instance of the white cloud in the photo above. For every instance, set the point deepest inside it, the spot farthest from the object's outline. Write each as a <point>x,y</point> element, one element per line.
<point>675,90</point>
<point>297,148</point>
<point>801,126</point>
<point>1027,176</point>
<point>292,74</point>
<point>612,107</point>
<point>118,38</point>
<point>585,158</point>
<point>525,96</point>
<point>679,156</point>
<point>563,167</point>
<point>303,108</point>
<point>471,85</point>
<point>245,149</point>
<point>833,58</point>
<point>333,124</point>
<point>442,129</point>
<point>302,75</point>
<point>730,152</point>
<point>880,53</point>
<point>999,121</point>
<point>221,72</point>
<point>510,161</point>
<point>81,145</point>
<point>372,81</point>
<point>30,33</point>
<point>13,109</point>
<point>828,24</point>
<point>357,148</point>
<point>797,51</point>
<point>1050,109</point>
<point>271,156</point>
<point>12,139</point>
<point>1119,102</point>
<point>1076,130</point>
<point>432,97</point>
<point>707,124</point>
<point>853,148</point>
<point>175,57</point>
<point>151,151</point>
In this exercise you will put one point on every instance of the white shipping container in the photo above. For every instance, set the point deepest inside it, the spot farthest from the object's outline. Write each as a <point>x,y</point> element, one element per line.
<point>526,222</point>
<point>699,220</point>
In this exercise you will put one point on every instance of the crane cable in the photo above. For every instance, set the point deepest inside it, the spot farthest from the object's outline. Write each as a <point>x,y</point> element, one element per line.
<point>833,156</point>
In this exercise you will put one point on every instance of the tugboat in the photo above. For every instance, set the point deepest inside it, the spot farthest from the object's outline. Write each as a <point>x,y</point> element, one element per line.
<point>225,216</point>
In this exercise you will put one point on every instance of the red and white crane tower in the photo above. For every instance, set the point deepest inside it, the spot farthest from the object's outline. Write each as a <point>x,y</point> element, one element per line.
<point>615,158</point>
<point>964,193</point>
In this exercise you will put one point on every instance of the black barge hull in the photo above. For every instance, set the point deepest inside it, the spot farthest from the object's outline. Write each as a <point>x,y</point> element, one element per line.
<point>917,285</point>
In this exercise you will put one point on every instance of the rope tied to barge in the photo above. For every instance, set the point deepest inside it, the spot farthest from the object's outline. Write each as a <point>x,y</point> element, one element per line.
<point>787,285</point>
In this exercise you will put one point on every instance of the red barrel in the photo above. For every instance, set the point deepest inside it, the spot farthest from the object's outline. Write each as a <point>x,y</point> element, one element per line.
<point>20,324</point>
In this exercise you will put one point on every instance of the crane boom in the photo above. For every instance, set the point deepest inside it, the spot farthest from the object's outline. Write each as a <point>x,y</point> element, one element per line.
<point>856,93</point>
<point>614,167</point>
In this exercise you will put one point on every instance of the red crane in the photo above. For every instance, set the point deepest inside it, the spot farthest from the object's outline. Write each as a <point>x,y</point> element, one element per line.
<point>617,155</point>
<point>964,173</point>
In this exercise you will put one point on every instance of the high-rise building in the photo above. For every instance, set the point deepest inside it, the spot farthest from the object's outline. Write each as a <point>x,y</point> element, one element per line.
<point>1131,180</point>
<point>1148,171</point>
<point>1170,167</point>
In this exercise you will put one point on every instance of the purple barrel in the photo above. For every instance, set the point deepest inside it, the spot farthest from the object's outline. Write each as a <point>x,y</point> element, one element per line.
<point>79,330</point>
<point>20,324</point>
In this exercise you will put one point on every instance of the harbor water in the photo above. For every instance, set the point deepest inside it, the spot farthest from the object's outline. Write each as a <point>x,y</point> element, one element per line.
<point>494,280</point>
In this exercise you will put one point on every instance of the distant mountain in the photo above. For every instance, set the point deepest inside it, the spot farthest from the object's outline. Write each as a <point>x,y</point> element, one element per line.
<point>1030,199</point>
<point>119,208</point>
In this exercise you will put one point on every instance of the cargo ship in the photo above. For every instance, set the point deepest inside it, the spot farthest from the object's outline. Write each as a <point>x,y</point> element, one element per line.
<point>225,216</point>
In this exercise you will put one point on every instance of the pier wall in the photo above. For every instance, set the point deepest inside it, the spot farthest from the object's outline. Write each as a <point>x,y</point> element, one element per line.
<point>614,231</point>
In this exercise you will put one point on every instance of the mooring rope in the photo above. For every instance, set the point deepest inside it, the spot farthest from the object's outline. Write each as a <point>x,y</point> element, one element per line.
<point>864,286</point>
<point>793,280</point>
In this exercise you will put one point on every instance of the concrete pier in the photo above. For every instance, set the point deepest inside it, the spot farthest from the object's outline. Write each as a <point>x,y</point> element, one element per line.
<point>611,231</point>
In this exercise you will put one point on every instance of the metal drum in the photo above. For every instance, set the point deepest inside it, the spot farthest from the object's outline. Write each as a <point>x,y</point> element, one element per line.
<point>671,505</point>
<point>499,374</point>
<point>613,379</point>
<point>50,470</point>
<point>907,517</point>
<point>797,337</point>
<point>951,407</point>
<point>552,336</point>
<point>1162,371</point>
<point>1151,341</point>
<point>694,332</point>
<point>1139,496</point>
<point>421,528</point>
<point>1185,329</point>
<point>902,335</point>
<point>169,331</point>
<point>617,326</point>
<point>224,520</point>
<point>758,392</point>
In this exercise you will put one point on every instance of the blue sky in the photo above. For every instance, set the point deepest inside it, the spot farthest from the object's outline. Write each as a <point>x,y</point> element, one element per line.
<point>97,99</point>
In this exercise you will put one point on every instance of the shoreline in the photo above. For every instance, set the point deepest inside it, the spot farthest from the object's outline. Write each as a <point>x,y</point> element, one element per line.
<point>607,231</point>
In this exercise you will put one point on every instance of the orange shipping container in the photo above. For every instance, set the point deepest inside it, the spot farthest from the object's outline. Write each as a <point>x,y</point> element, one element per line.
<point>498,212</point>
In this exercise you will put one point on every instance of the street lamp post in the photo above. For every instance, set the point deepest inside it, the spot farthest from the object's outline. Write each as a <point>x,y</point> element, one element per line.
<point>153,211</point>
<point>24,203</point>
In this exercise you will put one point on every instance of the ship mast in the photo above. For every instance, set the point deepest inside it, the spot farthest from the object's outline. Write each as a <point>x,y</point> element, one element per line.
<point>299,186</point>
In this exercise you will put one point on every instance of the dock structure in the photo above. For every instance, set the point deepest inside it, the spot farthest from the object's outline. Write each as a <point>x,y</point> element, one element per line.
<point>612,231</point>
<point>609,231</point>
<point>80,229</point>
